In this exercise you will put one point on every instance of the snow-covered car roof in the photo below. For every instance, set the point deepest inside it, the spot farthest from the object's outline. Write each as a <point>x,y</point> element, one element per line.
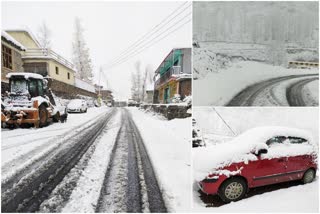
<point>242,148</point>
<point>264,133</point>
<point>25,75</point>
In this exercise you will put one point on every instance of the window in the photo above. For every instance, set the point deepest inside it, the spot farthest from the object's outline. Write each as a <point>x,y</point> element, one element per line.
<point>297,140</point>
<point>40,88</point>
<point>33,88</point>
<point>6,57</point>
<point>68,75</point>
<point>57,70</point>
<point>277,139</point>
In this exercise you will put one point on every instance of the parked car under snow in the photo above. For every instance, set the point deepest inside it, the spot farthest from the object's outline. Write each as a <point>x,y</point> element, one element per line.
<point>258,157</point>
<point>77,105</point>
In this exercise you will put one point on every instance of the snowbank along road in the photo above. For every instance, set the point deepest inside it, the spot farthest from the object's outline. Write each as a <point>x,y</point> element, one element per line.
<point>280,91</point>
<point>128,182</point>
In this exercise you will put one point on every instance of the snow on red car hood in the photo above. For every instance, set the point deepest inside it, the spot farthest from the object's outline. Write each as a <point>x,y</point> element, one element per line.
<point>208,160</point>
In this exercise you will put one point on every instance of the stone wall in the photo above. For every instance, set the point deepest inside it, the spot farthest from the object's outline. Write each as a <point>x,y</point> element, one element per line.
<point>67,91</point>
<point>169,111</point>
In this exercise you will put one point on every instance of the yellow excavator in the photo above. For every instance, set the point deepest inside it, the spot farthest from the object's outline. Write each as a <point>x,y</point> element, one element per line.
<point>29,102</point>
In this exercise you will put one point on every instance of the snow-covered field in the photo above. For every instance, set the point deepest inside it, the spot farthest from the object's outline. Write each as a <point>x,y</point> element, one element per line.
<point>219,88</point>
<point>168,144</point>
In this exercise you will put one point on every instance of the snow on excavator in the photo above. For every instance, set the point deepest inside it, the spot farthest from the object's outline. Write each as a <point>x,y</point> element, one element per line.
<point>29,102</point>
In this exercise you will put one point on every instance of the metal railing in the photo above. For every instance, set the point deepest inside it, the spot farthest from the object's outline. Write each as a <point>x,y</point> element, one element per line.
<point>173,71</point>
<point>44,52</point>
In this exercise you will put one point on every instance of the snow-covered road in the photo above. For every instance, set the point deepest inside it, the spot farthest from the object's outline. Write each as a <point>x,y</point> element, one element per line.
<point>280,91</point>
<point>220,87</point>
<point>100,163</point>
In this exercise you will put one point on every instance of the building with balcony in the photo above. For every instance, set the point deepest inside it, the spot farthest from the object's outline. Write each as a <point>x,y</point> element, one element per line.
<point>11,58</point>
<point>42,60</point>
<point>173,76</point>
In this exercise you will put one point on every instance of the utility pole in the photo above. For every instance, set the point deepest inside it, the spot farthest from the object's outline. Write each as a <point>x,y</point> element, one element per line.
<point>99,87</point>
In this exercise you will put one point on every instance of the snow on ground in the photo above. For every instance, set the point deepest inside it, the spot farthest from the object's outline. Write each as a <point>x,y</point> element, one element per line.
<point>296,199</point>
<point>219,88</point>
<point>168,144</point>
<point>311,91</point>
<point>214,139</point>
<point>85,196</point>
<point>276,95</point>
<point>24,144</point>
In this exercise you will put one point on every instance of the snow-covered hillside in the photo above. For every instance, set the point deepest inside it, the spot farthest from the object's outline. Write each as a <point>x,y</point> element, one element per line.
<point>292,23</point>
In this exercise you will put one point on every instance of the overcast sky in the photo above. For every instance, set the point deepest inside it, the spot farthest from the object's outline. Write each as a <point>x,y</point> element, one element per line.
<point>110,27</point>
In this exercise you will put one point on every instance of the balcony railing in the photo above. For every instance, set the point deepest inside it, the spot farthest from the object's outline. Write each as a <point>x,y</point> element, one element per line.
<point>44,52</point>
<point>173,71</point>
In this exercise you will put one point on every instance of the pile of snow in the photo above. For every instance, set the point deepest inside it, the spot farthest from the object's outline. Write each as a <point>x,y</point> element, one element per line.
<point>11,39</point>
<point>244,147</point>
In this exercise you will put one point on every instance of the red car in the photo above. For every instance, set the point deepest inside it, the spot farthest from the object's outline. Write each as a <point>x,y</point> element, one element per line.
<point>240,177</point>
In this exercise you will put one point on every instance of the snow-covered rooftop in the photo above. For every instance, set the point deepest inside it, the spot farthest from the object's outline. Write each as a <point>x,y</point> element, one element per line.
<point>25,30</point>
<point>12,40</point>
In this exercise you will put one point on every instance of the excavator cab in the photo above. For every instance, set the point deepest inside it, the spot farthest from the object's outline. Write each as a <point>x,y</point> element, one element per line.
<point>29,102</point>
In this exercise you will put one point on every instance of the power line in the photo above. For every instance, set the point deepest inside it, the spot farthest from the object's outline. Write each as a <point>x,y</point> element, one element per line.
<point>127,58</point>
<point>234,134</point>
<point>145,46</point>
<point>151,31</point>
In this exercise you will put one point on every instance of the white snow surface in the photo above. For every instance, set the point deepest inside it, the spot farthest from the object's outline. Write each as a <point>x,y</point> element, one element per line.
<point>218,88</point>
<point>11,39</point>
<point>84,85</point>
<point>20,146</point>
<point>311,92</point>
<point>26,75</point>
<point>85,196</point>
<point>243,148</point>
<point>168,144</point>
<point>296,199</point>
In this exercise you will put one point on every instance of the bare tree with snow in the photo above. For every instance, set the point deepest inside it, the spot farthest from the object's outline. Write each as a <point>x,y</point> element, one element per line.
<point>81,56</point>
<point>44,35</point>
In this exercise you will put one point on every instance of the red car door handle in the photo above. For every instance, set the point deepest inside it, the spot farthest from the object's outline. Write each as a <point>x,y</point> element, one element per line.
<point>280,160</point>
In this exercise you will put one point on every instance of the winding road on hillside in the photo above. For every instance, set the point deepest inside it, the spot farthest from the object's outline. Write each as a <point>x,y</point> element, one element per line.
<point>280,91</point>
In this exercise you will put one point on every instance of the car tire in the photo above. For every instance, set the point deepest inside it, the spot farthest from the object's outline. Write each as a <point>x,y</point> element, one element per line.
<point>233,189</point>
<point>56,117</point>
<point>43,116</point>
<point>308,176</point>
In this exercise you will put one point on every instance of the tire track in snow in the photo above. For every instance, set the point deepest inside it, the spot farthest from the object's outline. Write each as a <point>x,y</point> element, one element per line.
<point>294,93</point>
<point>30,191</point>
<point>33,158</point>
<point>80,183</point>
<point>248,96</point>
<point>137,190</point>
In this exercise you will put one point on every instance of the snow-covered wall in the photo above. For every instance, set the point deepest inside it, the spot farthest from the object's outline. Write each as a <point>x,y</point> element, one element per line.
<point>84,85</point>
